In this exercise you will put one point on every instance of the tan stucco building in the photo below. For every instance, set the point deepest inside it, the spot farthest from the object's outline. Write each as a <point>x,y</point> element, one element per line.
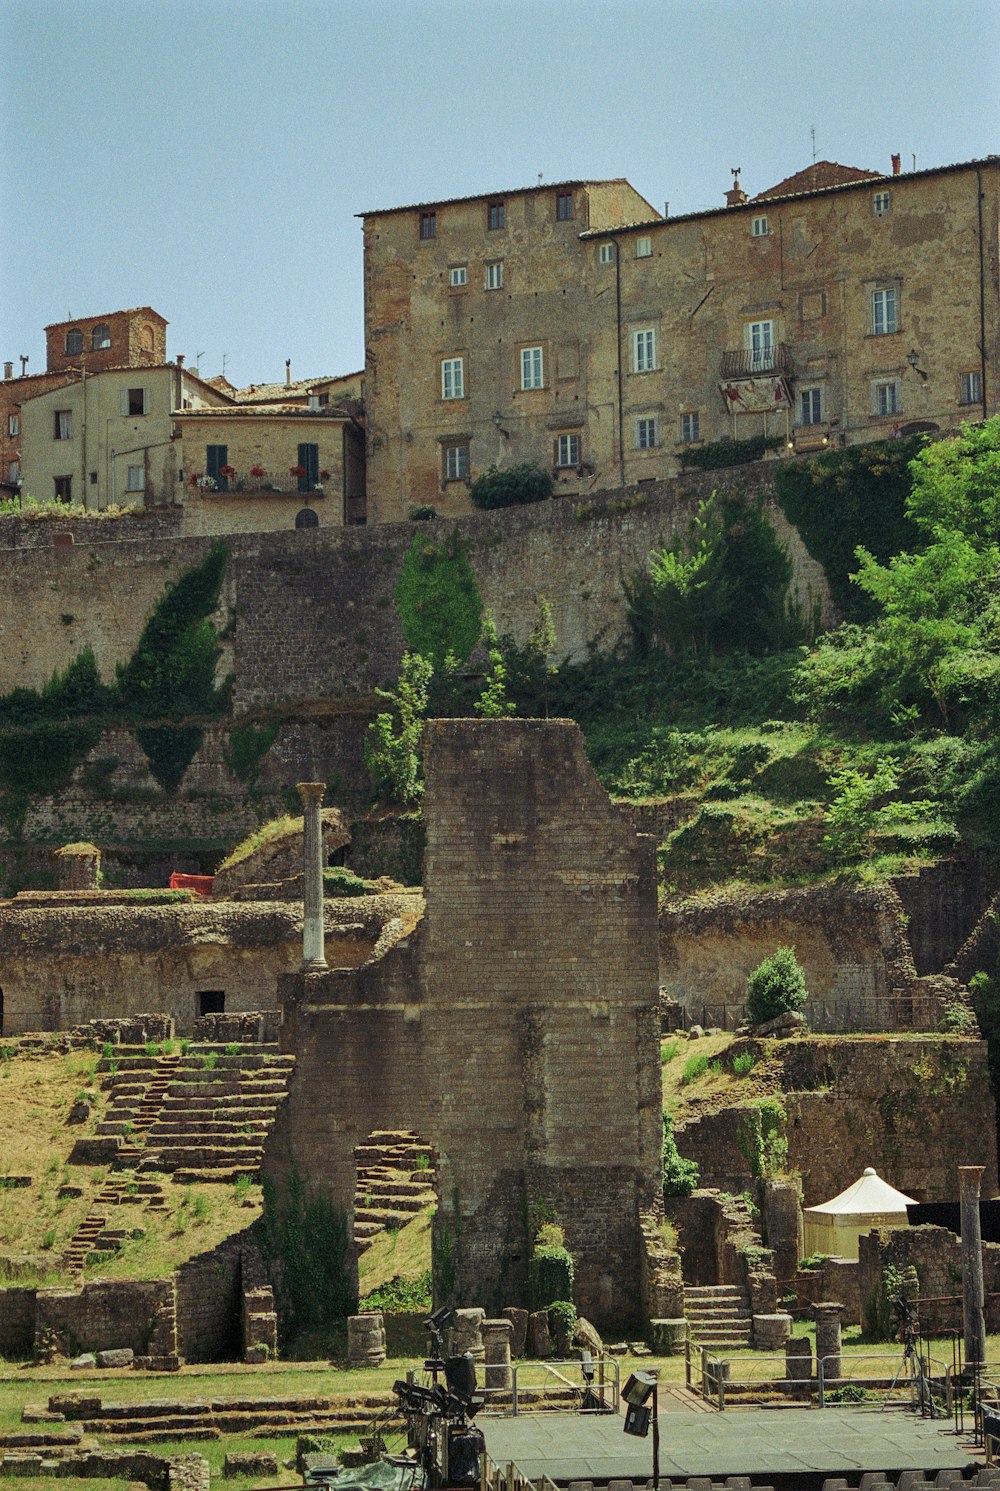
<point>574,326</point>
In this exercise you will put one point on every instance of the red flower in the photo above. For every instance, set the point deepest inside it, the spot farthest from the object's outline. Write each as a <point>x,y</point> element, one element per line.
<point>258,471</point>
<point>324,476</point>
<point>195,478</point>
<point>227,470</point>
<point>296,471</point>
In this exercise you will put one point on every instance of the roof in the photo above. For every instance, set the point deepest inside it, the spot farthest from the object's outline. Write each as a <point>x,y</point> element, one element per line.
<point>134,310</point>
<point>256,411</point>
<point>821,175</point>
<point>125,367</point>
<point>751,204</point>
<point>518,191</point>
<point>869,1196</point>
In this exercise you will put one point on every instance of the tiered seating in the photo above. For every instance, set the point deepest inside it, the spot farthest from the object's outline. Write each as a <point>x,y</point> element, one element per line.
<point>163,1419</point>
<point>395,1182</point>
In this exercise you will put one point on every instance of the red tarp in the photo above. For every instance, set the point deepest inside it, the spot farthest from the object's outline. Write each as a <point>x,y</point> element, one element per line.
<point>200,883</point>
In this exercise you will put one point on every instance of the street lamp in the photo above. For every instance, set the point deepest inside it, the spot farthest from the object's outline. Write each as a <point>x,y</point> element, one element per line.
<point>640,1387</point>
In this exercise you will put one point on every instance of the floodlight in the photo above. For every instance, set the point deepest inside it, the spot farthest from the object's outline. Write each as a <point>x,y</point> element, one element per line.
<point>637,1420</point>
<point>438,1320</point>
<point>587,1367</point>
<point>639,1387</point>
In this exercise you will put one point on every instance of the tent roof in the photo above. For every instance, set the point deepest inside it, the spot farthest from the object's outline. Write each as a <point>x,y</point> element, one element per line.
<point>870,1196</point>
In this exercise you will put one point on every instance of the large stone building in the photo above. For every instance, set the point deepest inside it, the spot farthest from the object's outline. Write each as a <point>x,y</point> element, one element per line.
<point>574,326</point>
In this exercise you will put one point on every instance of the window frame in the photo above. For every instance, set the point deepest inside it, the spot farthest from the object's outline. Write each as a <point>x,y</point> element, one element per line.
<point>644,247</point>
<point>13,472</point>
<point>606,253</point>
<point>885,311</point>
<point>690,427</point>
<point>428,226</point>
<point>643,426</point>
<point>63,488</point>
<point>531,362</point>
<point>761,357</point>
<point>13,426</point>
<point>455,462</point>
<point>131,398</point>
<point>100,337</point>
<point>493,275</point>
<point>496,216</point>
<point>817,411</point>
<point>644,350</point>
<point>567,451</point>
<point>759,226</point>
<point>62,428</point>
<point>973,382</point>
<point>74,341</point>
<point>882,386</point>
<point>452,379</point>
<point>881,203</point>
<point>564,207</point>
<point>139,484</point>
<point>454,270</point>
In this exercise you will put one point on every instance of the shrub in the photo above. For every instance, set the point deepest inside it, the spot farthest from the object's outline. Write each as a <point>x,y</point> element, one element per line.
<point>304,1238</point>
<point>694,1067</point>
<point>562,1319</point>
<point>550,1275</point>
<point>776,987</point>
<point>438,600</point>
<point>527,482</point>
<point>680,1176</point>
<point>715,454</point>
<point>743,1063</point>
<point>392,745</point>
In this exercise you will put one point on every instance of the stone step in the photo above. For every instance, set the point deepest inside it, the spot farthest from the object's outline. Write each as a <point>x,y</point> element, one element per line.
<point>412,1188</point>
<point>384,1218</point>
<point>366,1229</point>
<point>411,1205</point>
<point>223,1175</point>
<point>710,1313</point>
<point>713,1291</point>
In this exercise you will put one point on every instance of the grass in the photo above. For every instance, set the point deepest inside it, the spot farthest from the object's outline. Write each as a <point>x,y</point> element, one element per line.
<point>276,829</point>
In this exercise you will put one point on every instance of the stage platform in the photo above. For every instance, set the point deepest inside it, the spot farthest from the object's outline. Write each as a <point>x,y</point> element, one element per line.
<point>787,1447</point>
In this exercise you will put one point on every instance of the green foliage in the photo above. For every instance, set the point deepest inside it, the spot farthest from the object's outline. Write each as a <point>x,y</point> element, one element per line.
<point>562,1319</point>
<point>304,1238</point>
<point>400,1296</point>
<point>248,745</point>
<point>722,589</point>
<point>438,600</point>
<point>530,674</point>
<point>865,809</point>
<point>713,455</point>
<point>340,881</point>
<point>668,1050</point>
<point>172,670</point>
<point>550,1275</point>
<point>776,986</point>
<point>881,1322</point>
<point>846,498</point>
<point>743,1063</point>
<point>957,1019</point>
<point>169,749</point>
<point>694,1067</point>
<point>392,745</point>
<point>680,1176</point>
<point>493,703</point>
<point>506,487</point>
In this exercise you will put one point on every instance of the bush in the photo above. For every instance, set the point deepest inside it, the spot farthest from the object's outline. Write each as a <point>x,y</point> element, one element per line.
<point>527,482</point>
<point>715,454</point>
<point>680,1176</point>
<point>776,987</point>
<point>694,1067</point>
<point>562,1319</point>
<point>550,1275</point>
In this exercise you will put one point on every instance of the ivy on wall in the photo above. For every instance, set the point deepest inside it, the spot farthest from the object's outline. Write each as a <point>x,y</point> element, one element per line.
<point>438,600</point>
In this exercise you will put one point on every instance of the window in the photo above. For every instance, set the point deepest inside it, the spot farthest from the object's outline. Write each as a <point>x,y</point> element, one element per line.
<point>63,429</point>
<point>457,276</point>
<point>690,431</point>
<point>646,432</point>
<point>644,350</point>
<point>13,424</point>
<point>972,388</point>
<point>13,472</point>
<point>456,463</point>
<point>216,457</point>
<point>307,460</point>
<point>758,227</point>
<point>74,340</point>
<point>453,378</point>
<point>496,216</point>
<point>428,225</point>
<point>568,450</point>
<point>134,401</point>
<point>760,344</point>
<point>883,312</point>
<point>886,398</point>
<point>136,478</point>
<point>564,207</point>
<point>810,406</point>
<point>64,488</point>
<point>494,275</point>
<point>100,338</point>
<point>606,253</point>
<point>306,518</point>
<point>643,248</point>
<point>880,203</point>
<point>531,367</point>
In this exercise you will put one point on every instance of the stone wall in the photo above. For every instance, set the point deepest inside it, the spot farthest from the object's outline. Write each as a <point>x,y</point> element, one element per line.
<point>850,939</point>
<point>209,1303</point>
<point>943,903</point>
<point>540,928</point>
<point>17,1322</point>
<point>101,1316</point>
<point>936,1254</point>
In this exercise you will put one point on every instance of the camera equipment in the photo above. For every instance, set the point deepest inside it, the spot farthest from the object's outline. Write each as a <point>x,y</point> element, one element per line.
<point>438,1428</point>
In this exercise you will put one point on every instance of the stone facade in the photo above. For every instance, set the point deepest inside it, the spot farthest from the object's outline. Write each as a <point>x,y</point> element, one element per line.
<point>936,1254</point>
<point>837,310</point>
<point>540,926</point>
<point>118,339</point>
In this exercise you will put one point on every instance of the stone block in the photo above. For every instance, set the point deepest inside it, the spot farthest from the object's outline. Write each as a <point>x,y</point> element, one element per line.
<point>249,1462</point>
<point>770,1332</point>
<point>366,1339</point>
<point>83,1362</point>
<point>519,1335</point>
<point>121,1356</point>
<point>668,1337</point>
<point>466,1333</point>
<point>496,1348</point>
<point>538,1333</point>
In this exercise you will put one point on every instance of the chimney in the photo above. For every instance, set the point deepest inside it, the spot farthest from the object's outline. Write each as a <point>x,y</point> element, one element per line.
<point>179,359</point>
<point>895,165</point>
<point>736,196</point>
<point>288,372</point>
<point>24,364</point>
<point>666,209</point>
<point>8,370</point>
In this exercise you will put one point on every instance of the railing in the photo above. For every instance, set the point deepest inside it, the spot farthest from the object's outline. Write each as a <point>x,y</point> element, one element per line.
<point>876,1380</point>
<point>509,1478</point>
<point>532,1384</point>
<point>864,1012</point>
<point>750,362</point>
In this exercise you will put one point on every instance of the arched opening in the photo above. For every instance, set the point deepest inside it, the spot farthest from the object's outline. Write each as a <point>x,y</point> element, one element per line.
<point>306,518</point>
<point>74,341</point>
<point>394,1204</point>
<point>100,337</point>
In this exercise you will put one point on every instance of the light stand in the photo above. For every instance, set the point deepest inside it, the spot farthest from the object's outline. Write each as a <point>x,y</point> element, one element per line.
<point>640,1387</point>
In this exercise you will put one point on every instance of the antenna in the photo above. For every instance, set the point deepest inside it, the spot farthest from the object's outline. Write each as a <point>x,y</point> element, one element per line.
<point>197,361</point>
<point>812,136</point>
<point>225,359</point>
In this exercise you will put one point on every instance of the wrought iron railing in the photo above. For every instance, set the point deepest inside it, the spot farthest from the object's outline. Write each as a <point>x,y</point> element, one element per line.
<point>750,362</point>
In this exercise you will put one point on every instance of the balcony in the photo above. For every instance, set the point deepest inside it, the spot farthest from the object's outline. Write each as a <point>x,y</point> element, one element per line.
<point>757,362</point>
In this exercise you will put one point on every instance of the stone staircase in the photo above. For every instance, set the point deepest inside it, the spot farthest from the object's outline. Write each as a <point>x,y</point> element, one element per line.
<point>395,1183</point>
<point>203,1115</point>
<point>93,1234</point>
<point>718,1314</point>
<point>164,1419</point>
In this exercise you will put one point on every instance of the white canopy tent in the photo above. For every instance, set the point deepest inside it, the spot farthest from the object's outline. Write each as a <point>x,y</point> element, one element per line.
<point>834,1226</point>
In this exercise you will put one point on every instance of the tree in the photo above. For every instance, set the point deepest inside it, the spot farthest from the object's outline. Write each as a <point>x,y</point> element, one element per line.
<point>392,745</point>
<point>775,987</point>
<point>493,703</point>
<point>507,486</point>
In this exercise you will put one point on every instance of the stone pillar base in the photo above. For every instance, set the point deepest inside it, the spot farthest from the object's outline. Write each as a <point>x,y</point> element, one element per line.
<point>770,1332</point>
<point>668,1337</point>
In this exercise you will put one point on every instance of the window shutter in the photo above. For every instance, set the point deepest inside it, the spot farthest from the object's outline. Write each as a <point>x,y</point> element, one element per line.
<point>123,402</point>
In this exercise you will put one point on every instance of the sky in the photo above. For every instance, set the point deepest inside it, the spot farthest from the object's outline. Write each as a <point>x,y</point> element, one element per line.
<point>208,157</point>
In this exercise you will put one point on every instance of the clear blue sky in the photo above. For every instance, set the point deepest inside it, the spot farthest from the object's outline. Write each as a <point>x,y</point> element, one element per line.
<point>207,157</point>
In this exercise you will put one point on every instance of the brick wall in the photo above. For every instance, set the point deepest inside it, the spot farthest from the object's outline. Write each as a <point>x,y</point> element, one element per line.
<point>540,929</point>
<point>209,1294</point>
<point>936,1254</point>
<point>104,1315</point>
<point>17,1322</point>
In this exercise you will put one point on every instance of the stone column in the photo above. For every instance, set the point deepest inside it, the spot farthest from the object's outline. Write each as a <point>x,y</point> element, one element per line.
<point>79,867</point>
<point>496,1349</point>
<point>366,1340</point>
<point>828,1317</point>
<point>798,1365</point>
<point>466,1333</point>
<point>313,951</point>
<point>970,1177</point>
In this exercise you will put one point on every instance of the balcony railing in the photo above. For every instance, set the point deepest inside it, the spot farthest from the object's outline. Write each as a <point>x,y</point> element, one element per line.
<point>756,362</point>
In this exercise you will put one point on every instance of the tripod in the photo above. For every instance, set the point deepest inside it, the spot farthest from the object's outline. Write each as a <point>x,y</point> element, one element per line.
<point>911,1369</point>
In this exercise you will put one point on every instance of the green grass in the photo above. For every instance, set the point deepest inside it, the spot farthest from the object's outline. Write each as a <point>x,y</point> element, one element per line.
<point>695,1067</point>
